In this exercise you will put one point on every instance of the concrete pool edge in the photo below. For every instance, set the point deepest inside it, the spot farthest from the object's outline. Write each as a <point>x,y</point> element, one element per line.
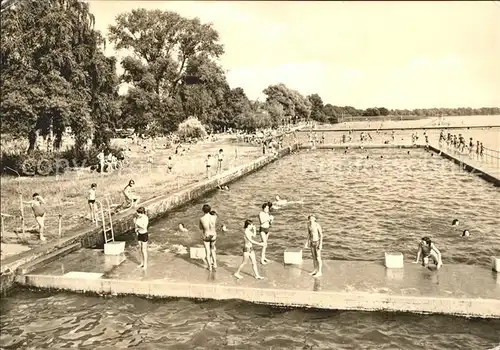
<point>123,222</point>
<point>462,307</point>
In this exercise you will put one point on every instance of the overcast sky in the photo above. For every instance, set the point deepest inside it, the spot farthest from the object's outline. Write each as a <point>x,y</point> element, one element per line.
<point>362,54</point>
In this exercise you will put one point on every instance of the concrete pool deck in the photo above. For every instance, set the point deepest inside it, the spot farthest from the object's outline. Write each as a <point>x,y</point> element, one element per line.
<point>460,290</point>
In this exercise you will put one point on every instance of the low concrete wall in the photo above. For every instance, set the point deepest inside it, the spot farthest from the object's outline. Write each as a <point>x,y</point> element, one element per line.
<point>484,308</point>
<point>468,167</point>
<point>123,223</point>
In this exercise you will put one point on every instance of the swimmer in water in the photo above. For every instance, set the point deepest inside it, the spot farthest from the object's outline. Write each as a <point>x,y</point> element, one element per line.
<point>182,228</point>
<point>265,220</point>
<point>209,236</point>
<point>248,252</point>
<point>280,202</point>
<point>315,241</point>
<point>427,249</point>
<point>223,188</point>
<point>455,222</point>
<point>466,233</point>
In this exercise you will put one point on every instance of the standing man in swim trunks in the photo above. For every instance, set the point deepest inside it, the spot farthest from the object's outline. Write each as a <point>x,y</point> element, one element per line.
<point>141,222</point>
<point>220,159</point>
<point>265,220</point>
<point>209,236</point>
<point>248,252</point>
<point>315,240</point>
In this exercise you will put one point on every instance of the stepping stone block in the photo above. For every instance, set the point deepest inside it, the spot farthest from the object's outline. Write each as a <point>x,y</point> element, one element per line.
<point>114,248</point>
<point>293,256</point>
<point>197,253</point>
<point>394,260</point>
<point>495,263</point>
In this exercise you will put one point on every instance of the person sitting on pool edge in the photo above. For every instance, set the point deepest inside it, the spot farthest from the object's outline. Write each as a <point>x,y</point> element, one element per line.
<point>427,249</point>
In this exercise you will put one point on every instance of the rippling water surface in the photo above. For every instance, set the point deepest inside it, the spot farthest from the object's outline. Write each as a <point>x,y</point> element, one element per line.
<point>366,206</point>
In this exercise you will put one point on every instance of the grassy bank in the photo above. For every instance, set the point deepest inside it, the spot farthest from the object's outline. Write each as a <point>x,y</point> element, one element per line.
<point>66,194</point>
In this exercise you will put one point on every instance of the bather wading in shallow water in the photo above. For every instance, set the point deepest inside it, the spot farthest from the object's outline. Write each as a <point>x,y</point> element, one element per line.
<point>427,250</point>
<point>248,252</point>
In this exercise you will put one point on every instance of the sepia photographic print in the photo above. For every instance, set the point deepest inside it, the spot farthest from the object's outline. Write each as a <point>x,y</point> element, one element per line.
<point>250,175</point>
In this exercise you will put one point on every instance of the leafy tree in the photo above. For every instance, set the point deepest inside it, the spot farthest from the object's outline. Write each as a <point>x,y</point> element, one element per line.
<point>295,105</point>
<point>173,58</point>
<point>53,71</point>
<point>317,108</point>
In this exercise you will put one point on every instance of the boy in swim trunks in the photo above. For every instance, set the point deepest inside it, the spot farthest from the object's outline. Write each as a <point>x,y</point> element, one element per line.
<point>91,202</point>
<point>220,159</point>
<point>141,222</point>
<point>265,220</point>
<point>39,212</point>
<point>169,164</point>
<point>248,252</point>
<point>209,236</point>
<point>315,240</point>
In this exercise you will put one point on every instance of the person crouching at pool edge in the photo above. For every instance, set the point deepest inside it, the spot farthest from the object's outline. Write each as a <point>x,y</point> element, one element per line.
<point>427,249</point>
<point>141,222</point>
<point>315,241</point>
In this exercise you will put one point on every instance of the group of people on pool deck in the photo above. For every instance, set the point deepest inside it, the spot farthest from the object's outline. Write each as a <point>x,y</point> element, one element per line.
<point>208,223</point>
<point>427,250</point>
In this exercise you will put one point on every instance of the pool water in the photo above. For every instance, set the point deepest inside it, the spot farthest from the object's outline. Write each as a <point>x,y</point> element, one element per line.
<point>368,202</point>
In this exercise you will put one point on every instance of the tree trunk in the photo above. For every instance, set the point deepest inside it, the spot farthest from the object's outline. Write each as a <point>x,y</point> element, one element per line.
<point>32,136</point>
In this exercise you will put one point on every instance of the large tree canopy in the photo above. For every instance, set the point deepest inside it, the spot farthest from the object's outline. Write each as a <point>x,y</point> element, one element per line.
<point>173,59</point>
<point>54,73</point>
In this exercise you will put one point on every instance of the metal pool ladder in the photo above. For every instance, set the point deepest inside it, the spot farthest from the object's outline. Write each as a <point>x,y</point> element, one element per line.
<point>107,229</point>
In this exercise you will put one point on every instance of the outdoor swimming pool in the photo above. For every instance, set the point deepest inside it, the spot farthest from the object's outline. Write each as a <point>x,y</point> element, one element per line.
<point>366,206</point>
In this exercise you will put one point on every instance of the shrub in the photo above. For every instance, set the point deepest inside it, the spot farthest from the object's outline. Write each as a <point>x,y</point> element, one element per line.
<point>49,164</point>
<point>35,163</point>
<point>191,128</point>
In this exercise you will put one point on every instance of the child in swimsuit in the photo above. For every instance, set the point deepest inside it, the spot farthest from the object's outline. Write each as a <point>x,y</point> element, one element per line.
<point>91,202</point>
<point>130,198</point>
<point>39,212</point>
<point>208,164</point>
<point>220,158</point>
<point>169,164</point>
<point>248,252</point>
<point>265,223</point>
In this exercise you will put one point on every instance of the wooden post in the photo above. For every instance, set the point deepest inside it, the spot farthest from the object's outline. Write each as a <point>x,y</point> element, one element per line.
<point>21,205</point>
<point>3,226</point>
<point>60,225</point>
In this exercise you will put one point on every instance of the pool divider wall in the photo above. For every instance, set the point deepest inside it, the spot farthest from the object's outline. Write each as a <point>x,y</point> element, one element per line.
<point>123,222</point>
<point>484,308</point>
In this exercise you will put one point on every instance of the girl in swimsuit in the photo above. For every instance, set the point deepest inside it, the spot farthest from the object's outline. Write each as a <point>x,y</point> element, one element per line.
<point>248,252</point>
<point>39,212</point>
<point>131,198</point>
